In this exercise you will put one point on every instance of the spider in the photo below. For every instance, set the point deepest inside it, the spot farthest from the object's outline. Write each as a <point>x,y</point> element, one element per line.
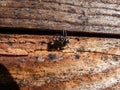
<point>58,42</point>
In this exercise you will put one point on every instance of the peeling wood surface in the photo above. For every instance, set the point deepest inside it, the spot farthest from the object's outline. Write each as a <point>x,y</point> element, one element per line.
<point>79,66</point>
<point>98,16</point>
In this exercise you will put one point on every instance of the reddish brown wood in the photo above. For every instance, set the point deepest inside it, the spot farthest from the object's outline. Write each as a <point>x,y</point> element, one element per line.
<point>85,63</point>
<point>81,64</point>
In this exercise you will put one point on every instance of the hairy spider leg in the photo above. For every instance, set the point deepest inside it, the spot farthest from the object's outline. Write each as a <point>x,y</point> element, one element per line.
<point>64,35</point>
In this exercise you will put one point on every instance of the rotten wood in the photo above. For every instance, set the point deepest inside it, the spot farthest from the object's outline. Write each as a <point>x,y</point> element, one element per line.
<point>93,16</point>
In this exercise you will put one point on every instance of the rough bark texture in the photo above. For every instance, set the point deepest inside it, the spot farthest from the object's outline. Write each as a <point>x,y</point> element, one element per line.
<point>98,16</point>
<point>81,65</point>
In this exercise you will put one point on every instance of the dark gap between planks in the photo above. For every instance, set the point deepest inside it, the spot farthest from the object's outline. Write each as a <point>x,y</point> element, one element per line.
<point>5,30</point>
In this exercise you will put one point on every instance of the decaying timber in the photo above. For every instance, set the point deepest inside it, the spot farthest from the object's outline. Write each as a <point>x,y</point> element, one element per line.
<point>93,65</point>
<point>98,16</point>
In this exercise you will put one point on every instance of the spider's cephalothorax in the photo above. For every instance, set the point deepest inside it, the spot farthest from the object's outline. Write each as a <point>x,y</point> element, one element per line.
<point>58,42</point>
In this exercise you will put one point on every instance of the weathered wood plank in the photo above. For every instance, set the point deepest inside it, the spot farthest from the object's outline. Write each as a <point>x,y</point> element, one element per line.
<point>82,16</point>
<point>80,65</point>
<point>83,63</point>
<point>64,70</point>
<point>24,44</point>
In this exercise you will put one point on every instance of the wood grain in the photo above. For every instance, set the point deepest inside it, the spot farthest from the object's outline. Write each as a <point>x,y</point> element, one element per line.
<point>74,15</point>
<point>80,65</point>
<point>15,44</point>
<point>35,62</point>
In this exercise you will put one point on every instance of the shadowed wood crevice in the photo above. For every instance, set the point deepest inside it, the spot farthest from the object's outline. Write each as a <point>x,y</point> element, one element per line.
<point>23,31</point>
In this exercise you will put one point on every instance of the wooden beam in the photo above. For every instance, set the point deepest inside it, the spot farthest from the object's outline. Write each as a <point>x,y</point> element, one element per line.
<point>81,16</point>
<point>14,44</point>
<point>81,64</point>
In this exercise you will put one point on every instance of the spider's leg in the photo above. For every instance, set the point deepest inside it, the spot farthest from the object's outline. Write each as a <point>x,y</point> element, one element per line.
<point>64,33</point>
